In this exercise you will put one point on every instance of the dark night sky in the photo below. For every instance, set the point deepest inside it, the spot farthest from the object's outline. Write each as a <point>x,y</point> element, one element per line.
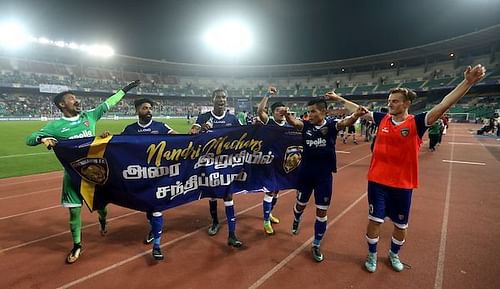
<point>285,31</point>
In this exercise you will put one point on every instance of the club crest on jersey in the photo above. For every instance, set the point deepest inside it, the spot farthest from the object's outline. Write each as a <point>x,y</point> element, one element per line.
<point>292,159</point>
<point>405,132</point>
<point>94,170</point>
<point>324,130</point>
<point>86,123</point>
<point>401,217</point>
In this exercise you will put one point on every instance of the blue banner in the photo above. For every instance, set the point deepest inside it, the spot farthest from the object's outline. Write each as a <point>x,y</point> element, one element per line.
<point>158,172</point>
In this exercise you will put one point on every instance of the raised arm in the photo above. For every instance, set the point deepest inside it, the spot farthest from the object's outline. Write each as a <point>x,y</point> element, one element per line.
<point>261,108</point>
<point>296,123</point>
<point>350,120</point>
<point>471,77</point>
<point>351,106</point>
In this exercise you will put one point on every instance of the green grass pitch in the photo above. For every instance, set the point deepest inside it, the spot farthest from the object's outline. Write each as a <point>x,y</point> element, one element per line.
<point>18,159</point>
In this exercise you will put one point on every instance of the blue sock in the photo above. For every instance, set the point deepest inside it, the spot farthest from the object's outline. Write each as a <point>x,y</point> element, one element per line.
<point>267,207</point>
<point>213,210</point>
<point>231,219</point>
<point>274,201</point>
<point>156,227</point>
<point>297,214</point>
<point>396,245</point>
<point>372,244</point>
<point>319,230</point>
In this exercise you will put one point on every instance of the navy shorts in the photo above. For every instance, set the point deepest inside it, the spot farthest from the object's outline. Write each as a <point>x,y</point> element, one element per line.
<point>322,186</point>
<point>389,202</point>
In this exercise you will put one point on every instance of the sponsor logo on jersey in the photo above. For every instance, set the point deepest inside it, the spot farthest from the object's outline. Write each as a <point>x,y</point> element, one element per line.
<point>319,142</point>
<point>94,170</point>
<point>405,132</point>
<point>65,129</point>
<point>292,159</point>
<point>85,133</point>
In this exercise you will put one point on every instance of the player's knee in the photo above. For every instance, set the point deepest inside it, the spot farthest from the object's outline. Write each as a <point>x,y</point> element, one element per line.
<point>299,206</point>
<point>157,214</point>
<point>228,198</point>
<point>321,213</point>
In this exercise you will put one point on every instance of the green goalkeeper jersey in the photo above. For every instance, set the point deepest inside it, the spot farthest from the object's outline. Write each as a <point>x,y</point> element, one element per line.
<point>79,126</point>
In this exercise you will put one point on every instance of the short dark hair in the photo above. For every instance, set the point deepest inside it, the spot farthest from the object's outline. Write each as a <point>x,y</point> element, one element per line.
<point>140,101</point>
<point>218,90</point>
<point>407,93</point>
<point>319,102</point>
<point>276,105</point>
<point>58,98</point>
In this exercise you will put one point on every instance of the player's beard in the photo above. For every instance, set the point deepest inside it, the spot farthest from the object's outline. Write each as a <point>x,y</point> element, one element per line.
<point>146,118</point>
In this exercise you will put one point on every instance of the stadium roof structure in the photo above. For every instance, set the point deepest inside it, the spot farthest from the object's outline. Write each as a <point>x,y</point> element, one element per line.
<point>481,42</point>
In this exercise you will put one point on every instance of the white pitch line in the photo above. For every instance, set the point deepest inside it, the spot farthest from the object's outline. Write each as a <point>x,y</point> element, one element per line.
<point>28,194</point>
<point>463,162</point>
<point>297,251</point>
<point>343,152</point>
<point>474,144</point>
<point>29,212</point>
<point>62,233</point>
<point>23,155</point>
<point>438,282</point>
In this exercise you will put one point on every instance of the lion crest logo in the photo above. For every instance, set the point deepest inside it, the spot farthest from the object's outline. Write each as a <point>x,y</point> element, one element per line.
<point>292,159</point>
<point>94,170</point>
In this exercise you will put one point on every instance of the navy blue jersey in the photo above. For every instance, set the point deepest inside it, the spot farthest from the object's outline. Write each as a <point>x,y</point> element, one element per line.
<point>153,127</point>
<point>419,120</point>
<point>271,121</point>
<point>319,146</point>
<point>227,119</point>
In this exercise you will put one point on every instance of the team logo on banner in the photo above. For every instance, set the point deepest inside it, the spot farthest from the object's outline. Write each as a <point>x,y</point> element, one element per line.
<point>405,132</point>
<point>94,170</point>
<point>292,159</point>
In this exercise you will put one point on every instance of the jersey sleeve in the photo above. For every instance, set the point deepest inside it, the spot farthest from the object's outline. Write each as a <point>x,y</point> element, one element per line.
<point>377,117</point>
<point>47,131</point>
<point>420,122</point>
<point>128,129</point>
<point>168,129</point>
<point>201,119</point>
<point>236,122</point>
<point>111,101</point>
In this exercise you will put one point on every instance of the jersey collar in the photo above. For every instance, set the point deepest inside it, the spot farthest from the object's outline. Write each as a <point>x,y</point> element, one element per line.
<point>320,126</point>
<point>146,125</point>
<point>73,118</point>
<point>218,117</point>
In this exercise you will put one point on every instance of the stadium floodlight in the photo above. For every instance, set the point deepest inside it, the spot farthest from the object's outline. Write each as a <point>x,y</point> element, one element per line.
<point>13,35</point>
<point>230,37</point>
<point>73,45</point>
<point>43,40</point>
<point>100,50</point>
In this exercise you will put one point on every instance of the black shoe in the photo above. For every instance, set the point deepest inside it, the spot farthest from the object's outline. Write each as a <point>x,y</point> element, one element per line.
<point>213,229</point>
<point>157,254</point>
<point>149,238</point>
<point>295,227</point>
<point>74,254</point>
<point>234,242</point>
<point>103,227</point>
<point>316,253</point>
